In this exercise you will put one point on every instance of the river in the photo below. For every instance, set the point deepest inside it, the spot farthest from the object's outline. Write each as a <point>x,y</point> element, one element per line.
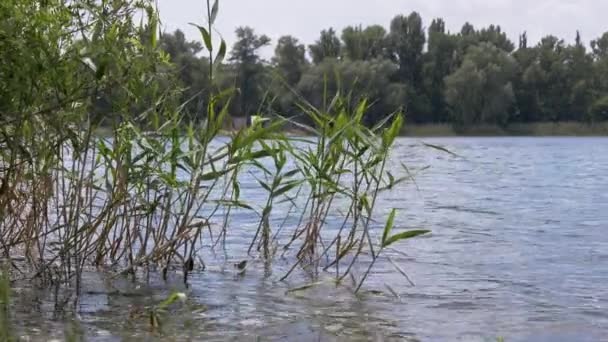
<point>519,249</point>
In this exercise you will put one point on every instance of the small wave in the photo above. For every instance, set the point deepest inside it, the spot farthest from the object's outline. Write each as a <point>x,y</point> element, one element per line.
<point>466,210</point>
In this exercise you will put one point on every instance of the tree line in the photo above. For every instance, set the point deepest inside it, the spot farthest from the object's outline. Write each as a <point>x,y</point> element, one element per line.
<point>475,76</point>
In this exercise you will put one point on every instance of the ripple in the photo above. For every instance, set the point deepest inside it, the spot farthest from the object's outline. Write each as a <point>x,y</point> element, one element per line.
<point>519,249</point>
<point>465,210</point>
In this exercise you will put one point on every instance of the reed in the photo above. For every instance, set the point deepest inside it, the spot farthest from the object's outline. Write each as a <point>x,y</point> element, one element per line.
<point>155,188</point>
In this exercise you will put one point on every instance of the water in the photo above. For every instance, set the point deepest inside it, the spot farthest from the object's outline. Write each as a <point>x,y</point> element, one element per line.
<point>518,249</point>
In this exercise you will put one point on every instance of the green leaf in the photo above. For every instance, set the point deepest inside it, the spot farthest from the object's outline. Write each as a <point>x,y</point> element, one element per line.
<point>403,236</point>
<point>153,19</point>
<point>206,36</point>
<point>388,138</point>
<point>252,156</point>
<point>265,186</point>
<point>362,151</point>
<point>286,188</point>
<point>389,225</point>
<point>214,11</point>
<point>261,167</point>
<point>237,189</point>
<point>391,179</point>
<point>184,168</point>
<point>221,54</point>
<point>234,204</point>
<point>364,203</point>
<point>174,297</point>
<point>214,175</point>
<point>291,173</point>
<point>267,211</point>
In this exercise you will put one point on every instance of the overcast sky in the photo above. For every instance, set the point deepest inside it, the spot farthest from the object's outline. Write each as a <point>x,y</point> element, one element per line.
<point>306,18</point>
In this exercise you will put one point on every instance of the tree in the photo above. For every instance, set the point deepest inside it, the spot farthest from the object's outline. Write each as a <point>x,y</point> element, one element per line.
<point>579,75</point>
<point>493,34</point>
<point>481,90</point>
<point>406,44</point>
<point>328,46</point>
<point>249,70</point>
<point>436,30</point>
<point>407,39</point>
<point>191,70</point>
<point>551,79</point>
<point>364,44</point>
<point>599,80</point>
<point>525,83</point>
<point>469,37</point>
<point>439,63</point>
<point>523,41</point>
<point>375,37</point>
<point>599,109</point>
<point>290,63</point>
<point>466,38</point>
<point>176,45</point>
<point>467,29</point>
<point>600,47</point>
<point>356,80</point>
<point>290,59</point>
<point>490,81</point>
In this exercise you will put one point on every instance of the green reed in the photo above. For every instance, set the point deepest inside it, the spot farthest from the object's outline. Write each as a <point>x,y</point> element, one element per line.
<point>149,193</point>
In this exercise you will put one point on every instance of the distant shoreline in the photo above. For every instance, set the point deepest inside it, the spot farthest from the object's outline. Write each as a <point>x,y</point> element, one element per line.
<point>539,129</point>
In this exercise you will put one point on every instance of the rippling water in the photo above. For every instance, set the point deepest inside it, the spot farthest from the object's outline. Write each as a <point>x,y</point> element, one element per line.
<point>519,249</point>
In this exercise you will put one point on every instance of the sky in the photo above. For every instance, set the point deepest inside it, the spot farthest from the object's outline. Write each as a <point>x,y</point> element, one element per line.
<point>304,19</point>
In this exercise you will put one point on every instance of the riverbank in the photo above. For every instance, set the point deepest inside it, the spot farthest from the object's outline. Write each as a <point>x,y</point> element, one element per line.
<point>540,129</point>
<point>527,129</point>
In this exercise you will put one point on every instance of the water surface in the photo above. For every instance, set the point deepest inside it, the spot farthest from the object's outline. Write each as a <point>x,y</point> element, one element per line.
<point>519,249</point>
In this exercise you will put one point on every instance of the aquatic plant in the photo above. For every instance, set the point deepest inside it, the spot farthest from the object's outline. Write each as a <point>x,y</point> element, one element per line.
<point>160,309</point>
<point>98,168</point>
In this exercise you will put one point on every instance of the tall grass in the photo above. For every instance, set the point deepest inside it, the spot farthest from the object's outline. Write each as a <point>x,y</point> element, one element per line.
<point>157,189</point>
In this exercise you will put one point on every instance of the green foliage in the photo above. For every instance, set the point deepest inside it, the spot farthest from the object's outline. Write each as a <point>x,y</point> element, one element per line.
<point>481,90</point>
<point>290,65</point>
<point>328,46</point>
<point>600,47</point>
<point>439,63</point>
<point>388,240</point>
<point>495,36</point>
<point>358,80</point>
<point>364,44</point>
<point>173,298</point>
<point>290,59</point>
<point>192,71</point>
<point>403,236</point>
<point>248,70</point>
<point>599,109</point>
<point>148,191</point>
<point>157,312</point>
<point>407,39</point>
<point>551,81</point>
